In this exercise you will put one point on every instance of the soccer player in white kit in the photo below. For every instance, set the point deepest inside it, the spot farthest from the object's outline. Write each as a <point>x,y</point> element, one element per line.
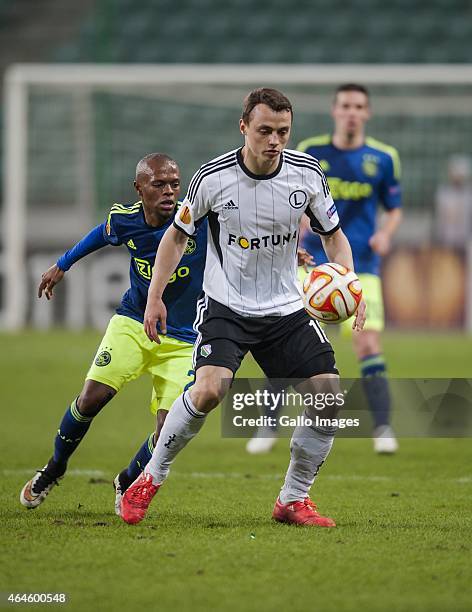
<point>254,198</point>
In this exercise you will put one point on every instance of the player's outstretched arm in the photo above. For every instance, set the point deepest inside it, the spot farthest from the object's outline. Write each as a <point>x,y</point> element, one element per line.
<point>169,253</point>
<point>93,241</point>
<point>338,250</point>
<point>49,280</point>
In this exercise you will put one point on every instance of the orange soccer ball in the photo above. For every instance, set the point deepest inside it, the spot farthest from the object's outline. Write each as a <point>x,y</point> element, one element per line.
<point>331,293</point>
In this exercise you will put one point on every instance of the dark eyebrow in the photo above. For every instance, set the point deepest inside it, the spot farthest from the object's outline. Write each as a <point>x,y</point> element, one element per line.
<point>268,127</point>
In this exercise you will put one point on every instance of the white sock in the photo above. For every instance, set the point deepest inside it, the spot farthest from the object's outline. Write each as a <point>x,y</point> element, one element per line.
<point>182,423</point>
<point>308,450</point>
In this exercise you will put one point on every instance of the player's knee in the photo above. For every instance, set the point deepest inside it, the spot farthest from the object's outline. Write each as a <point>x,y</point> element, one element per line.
<point>207,399</point>
<point>93,398</point>
<point>206,396</point>
<point>209,389</point>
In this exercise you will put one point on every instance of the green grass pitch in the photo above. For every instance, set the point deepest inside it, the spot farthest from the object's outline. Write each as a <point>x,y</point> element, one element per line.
<point>403,540</point>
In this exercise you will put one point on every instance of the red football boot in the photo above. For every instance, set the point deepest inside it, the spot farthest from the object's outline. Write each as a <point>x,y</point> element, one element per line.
<point>136,499</point>
<point>300,513</point>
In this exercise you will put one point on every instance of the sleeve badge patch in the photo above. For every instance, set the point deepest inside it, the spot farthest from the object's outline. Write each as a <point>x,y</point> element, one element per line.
<point>185,215</point>
<point>331,211</point>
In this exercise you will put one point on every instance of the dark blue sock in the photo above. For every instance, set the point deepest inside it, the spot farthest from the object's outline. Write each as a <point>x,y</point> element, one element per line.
<point>72,429</point>
<point>140,460</point>
<point>376,388</point>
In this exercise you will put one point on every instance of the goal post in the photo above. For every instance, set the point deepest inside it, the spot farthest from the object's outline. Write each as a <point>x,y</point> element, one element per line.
<point>73,132</point>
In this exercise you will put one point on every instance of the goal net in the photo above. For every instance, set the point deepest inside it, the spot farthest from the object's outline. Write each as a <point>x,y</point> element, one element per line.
<point>73,135</point>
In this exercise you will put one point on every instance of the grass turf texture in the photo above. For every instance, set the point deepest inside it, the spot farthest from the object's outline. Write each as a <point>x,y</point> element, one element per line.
<point>403,538</point>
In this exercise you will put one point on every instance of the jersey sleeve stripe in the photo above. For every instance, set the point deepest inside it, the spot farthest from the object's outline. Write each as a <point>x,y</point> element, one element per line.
<point>381,146</point>
<point>122,207</point>
<point>204,170</point>
<point>205,167</point>
<point>196,184</point>
<point>125,209</point>
<point>306,159</point>
<point>301,156</point>
<point>123,212</point>
<point>319,172</point>
<point>324,139</point>
<point>119,205</point>
<point>219,160</point>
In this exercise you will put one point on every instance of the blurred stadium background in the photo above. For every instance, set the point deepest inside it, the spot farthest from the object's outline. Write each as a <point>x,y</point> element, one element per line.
<point>73,133</point>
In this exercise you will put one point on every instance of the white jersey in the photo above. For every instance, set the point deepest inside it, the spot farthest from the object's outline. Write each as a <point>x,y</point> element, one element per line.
<point>254,222</point>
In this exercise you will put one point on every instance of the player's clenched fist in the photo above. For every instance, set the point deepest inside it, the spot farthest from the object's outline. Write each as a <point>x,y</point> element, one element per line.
<point>155,313</point>
<point>49,280</point>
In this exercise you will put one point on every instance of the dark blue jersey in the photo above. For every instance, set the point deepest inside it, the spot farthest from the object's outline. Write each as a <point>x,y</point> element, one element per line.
<point>127,225</point>
<point>359,180</point>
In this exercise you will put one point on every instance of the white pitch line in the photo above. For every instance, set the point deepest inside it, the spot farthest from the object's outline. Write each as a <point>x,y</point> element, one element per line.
<point>239,476</point>
<point>90,473</point>
<point>218,475</point>
<point>248,476</point>
<point>348,477</point>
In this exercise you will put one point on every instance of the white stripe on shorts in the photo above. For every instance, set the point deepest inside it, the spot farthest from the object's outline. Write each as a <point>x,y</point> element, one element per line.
<point>319,331</point>
<point>202,306</point>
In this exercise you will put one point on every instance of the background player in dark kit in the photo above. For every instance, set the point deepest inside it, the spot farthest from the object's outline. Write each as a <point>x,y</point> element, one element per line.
<point>125,352</point>
<point>362,173</point>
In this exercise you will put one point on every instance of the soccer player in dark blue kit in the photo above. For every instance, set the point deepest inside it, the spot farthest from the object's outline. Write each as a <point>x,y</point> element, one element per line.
<point>362,173</point>
<point>125,351</point>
